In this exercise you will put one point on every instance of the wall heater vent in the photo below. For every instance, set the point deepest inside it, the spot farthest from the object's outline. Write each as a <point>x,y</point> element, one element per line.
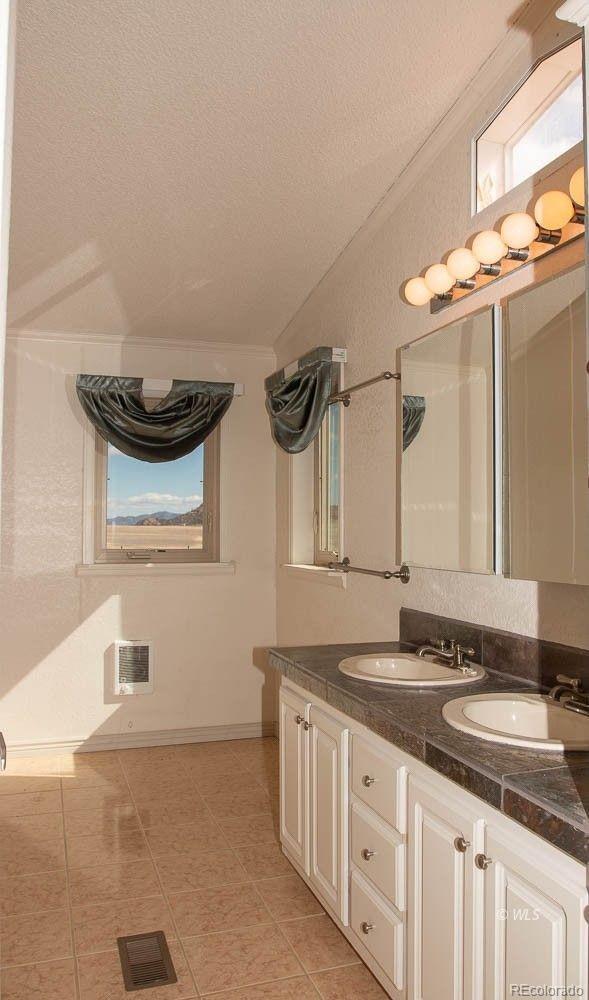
<point>133,667</point>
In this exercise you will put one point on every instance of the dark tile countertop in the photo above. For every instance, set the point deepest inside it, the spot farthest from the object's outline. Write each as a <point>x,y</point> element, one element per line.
<point>545,791</point>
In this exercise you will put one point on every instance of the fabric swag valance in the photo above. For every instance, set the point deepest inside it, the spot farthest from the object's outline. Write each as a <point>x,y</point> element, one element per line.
<point>413,415</point>
<point>177,425</point>
<point>296,401</point>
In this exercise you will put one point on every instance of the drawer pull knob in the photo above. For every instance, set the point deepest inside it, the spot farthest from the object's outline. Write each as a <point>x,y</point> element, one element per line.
<point>299,719</point>
<point>461,845</point>
<point>366,927</point>
<point>482,862</point>
<point>367,781</point>
<point>307,726</point>
<point>367,854</point>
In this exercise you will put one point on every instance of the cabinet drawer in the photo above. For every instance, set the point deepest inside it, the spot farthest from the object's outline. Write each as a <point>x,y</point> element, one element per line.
<point>379,929</point>
<point>379,853</point>
<point>376,780</point>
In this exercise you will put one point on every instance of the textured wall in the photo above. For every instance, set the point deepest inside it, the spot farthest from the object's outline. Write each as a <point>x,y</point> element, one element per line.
<point>57,629</point>
<point>357,305</point>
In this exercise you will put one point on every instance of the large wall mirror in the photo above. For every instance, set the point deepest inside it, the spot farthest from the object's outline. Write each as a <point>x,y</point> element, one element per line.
<point>449,447</point>
<point>546,431</point>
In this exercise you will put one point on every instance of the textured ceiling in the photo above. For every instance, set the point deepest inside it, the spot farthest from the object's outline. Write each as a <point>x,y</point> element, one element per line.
<point>191,168</point>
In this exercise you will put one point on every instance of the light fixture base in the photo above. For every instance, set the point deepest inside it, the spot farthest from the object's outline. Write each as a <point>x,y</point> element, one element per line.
<point>551,236</point>
<point>579,216</point>
<point>513,254</point>
<point>468,283</point>
<point>492,270</point>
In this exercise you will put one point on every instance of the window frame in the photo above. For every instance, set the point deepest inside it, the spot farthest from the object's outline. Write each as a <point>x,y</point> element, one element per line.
<point>210,552</point>
<point>321,486</point>
<point>548,167</point>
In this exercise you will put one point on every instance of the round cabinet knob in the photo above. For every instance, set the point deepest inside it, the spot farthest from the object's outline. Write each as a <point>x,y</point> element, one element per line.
<point>367,854</point>
<point>366,927</point>
<point>482,862</point>
<point>461,845</point>
<point>299,719</point>
<point>367,781</point>
<point>307,726</point>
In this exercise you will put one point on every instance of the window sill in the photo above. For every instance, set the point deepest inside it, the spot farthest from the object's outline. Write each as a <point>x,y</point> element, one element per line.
<point>157,569</point>
<point>319,574</point>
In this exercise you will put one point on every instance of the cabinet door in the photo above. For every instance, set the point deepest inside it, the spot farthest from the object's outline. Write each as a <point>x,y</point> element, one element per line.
<point>535,930</point>
<point>293,813</point>
<point>328,798</point>
<point>443,933</point>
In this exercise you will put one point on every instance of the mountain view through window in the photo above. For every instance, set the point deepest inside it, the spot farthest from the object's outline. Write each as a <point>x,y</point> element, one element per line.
<point>154,505</point>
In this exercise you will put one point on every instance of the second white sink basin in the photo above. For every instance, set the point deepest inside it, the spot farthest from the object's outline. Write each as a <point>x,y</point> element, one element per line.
<point>407,670</point>
<point>524,720</point>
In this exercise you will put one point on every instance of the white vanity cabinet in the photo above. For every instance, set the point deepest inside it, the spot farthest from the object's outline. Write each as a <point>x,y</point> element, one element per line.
<point>443,896</point>
<point>535,931</point>
<point>314,797</point>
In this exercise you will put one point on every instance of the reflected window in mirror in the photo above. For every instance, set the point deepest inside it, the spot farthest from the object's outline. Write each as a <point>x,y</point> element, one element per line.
<point>447,465</point>
<point>327,516</point>
<point>546,431</point>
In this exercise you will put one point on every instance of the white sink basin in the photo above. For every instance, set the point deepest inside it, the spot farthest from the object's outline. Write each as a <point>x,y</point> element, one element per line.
<point>407,670</point>
<point>524,720</point>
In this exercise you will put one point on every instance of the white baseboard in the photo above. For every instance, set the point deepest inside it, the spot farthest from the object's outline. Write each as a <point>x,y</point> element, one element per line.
<point>163,737</point>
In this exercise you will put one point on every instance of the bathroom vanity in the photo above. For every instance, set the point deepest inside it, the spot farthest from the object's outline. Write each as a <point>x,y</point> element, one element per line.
<point>402,833</point>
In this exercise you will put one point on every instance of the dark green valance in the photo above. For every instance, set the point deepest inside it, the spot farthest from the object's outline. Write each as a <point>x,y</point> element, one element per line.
<point>177,425</point>
<point>296,401</point>
<point>413,415</point>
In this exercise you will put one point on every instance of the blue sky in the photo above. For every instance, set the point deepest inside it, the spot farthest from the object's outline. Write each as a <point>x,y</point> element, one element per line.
<point>142,487</point>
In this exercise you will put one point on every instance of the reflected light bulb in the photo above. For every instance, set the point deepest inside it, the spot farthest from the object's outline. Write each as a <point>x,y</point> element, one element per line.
<point>462,264</point>
<point>519,230</point>
<point>416,292</point>
<point>488,247</point>
<point>577,187</point>
<point>553,210</point>
<point>438,279</point>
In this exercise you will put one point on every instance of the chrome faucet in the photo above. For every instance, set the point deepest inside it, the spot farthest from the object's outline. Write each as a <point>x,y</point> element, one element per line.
<point>449,651</point>
<point>568,693</point>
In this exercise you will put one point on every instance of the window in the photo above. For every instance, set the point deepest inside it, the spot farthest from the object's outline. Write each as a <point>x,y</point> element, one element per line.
<point>540,122</point>
<point>328,487</point>
<point>157,512</point>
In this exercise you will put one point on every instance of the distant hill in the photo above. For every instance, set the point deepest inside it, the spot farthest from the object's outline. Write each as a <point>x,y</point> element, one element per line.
<point>162,517</point>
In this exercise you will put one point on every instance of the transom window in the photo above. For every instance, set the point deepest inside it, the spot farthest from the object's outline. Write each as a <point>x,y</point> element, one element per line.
<point>540,122</point>
<point>157,512</point>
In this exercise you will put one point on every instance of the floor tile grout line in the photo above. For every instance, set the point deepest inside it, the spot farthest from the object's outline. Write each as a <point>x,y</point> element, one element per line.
<point>68,898</point>
<point>164,896</point>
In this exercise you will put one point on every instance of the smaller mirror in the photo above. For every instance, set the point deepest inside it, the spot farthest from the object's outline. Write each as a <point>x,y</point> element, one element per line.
<point>546,431</point>
<point>447,466</point>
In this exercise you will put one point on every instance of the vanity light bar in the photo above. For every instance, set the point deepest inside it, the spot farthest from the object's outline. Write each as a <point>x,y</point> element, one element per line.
<point>519,233</point>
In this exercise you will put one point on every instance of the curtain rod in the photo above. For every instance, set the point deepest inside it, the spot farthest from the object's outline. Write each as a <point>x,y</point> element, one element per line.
<point>344,395</point>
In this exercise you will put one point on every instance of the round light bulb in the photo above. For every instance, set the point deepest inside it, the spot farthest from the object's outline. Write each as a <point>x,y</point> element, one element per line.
<point>462,264</point>
<point>577,187</point>
<point>438,279</point>
<point>553,210</point>
<point>416,292</point>
<point>519,230</point>
<point>488,247</point>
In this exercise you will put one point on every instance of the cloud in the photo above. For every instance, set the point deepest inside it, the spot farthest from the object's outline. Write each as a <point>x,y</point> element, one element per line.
<point>150,502</point>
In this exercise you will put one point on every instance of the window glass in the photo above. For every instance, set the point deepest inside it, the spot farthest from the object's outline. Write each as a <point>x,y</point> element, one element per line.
<point>328,486</point>
<point>154,505</point>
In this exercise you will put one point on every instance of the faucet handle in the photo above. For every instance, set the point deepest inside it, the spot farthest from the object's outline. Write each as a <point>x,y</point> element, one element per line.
<point>465,650</point>
<point>573,682</point>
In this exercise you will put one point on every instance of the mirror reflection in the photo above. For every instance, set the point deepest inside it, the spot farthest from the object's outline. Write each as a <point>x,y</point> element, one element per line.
<point>546,376</point>
<point>447,467</point>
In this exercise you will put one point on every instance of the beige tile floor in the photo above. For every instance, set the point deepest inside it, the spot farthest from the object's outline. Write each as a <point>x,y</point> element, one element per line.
<point>181,839</point>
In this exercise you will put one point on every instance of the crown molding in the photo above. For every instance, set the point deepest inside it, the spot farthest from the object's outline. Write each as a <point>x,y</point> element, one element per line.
<point>575,11</point>
<point>154,343</point>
